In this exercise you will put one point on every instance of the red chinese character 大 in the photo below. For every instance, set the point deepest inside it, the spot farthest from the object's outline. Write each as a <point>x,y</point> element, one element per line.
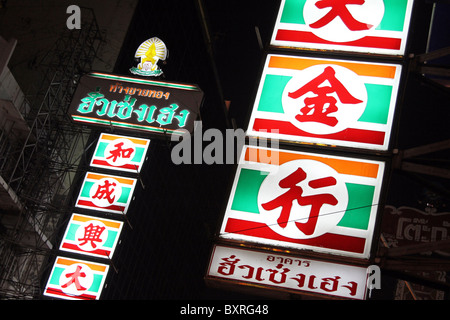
<point>339,9</point>
<point>294,192</point>
<point>119,152</point>
<point>92,234</point>
<point>105,191</point>
<point>74,279</point>
<point>319,107</point>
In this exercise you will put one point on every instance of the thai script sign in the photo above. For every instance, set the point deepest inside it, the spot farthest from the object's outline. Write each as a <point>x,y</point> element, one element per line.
<point>76,279</point>
<point>325,101</point>
<point>364,26</point>
<point>309,201</point>
<point>106,193</point>
<point>120,153</point>
<point>136,104</point>
<point>287,272</point>
<point>91,236</point>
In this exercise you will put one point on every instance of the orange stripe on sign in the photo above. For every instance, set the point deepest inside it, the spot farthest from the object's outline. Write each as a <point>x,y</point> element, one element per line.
<point>361,69</point>
<point>110,224</point>
<point>134,140</point>
<point>99,176</point>
<point>68,262</point>
<point>351,167</point>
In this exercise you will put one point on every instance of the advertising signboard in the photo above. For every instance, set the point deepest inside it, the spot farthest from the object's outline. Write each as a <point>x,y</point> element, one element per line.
<point>120,153</point>
<point>271,270</point>
<point>91,236</point>
<point>134,103</point>
<point>74,279</point>
<point>106,193</point>
<point>307,201</point>
<point>326,101</point>
<point>370,26</point>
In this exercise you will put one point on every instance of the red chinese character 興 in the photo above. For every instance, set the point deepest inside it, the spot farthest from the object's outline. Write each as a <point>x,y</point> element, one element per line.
<point>295,192</point>
<point>74,279</point>
<point>92,234</point>
<point>119,152</point>
<point>105,191</point>
<point>339,9</point>
<point>319,107</point>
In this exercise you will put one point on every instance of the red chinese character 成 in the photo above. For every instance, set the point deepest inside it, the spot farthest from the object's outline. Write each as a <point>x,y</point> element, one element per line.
<point>339,9</point>
<point>295,192</point>
<point>74,279</point>
<point>105,191</point>
<point>119,152</point>
<point>92,234</point>
<point>319,107</point>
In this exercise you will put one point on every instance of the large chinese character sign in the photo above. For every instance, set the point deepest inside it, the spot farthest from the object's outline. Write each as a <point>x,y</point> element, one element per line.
<point>325,101</point>
<point>131,103</point>
<point>367,26</point>
<point>120,153</point>
<point>106,193</point>
<point>91,236</point>
<point>76,279</point>
<point>306,201</point>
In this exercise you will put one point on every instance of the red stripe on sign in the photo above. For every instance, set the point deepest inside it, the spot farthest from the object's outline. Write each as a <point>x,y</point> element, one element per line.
<point>90,204</point>
<point>61,293</point>
<point>125,166</point>
<point>70,246</point>
<point>350,134</point>
<point>370,42</point>
<point>328,240</point>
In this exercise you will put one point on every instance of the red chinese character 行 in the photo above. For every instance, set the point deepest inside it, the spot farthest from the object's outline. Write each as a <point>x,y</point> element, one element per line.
<point>319,107</point>
<point>339,9</point>
<point>74,279</point>
<point>92,234</point>
<point>295,192</point>
<point>120,153</point>
<point>105,191</point>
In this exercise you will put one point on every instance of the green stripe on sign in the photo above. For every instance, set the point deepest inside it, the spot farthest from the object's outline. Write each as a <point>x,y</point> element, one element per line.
<point>394,15</point>
<point>57,271</point>
<point>101,149</point>
<point>246,194</point>
<point>85,192</point>
<point>293,12</point>
<point>272,92</point>
<point>378,103</point>
<point>359,206</point>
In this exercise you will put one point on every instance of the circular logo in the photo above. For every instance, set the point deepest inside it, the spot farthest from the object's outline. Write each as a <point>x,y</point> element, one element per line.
<point>324,99</point>
<point>119,152</point>
<point>343,20</point>
<point>76,279</point>
<point>302,199</point>
<point>91,235</point>
<point>105,192</point>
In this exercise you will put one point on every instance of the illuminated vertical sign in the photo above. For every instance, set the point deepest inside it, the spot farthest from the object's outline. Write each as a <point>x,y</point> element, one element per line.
<point>120,153</point>
<point>106,193</point>
<point>315,202</point>
<point>91,236</point>
<point>76,279</point>
<point>326,101</point>
<point>370,26</point>
<point>271,270</point>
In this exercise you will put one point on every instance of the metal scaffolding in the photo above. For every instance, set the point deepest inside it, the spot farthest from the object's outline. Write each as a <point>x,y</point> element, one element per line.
<point>38,165</point>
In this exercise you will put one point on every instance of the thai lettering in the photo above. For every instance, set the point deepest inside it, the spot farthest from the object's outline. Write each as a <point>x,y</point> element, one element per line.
<point>95,102</point>
<point>158,94</point>
<point>286,271</point>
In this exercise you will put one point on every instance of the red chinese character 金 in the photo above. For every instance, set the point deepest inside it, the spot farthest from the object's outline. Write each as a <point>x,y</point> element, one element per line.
<point>74,279</point>
<point>105,191</point>
<point>119,152</point>
<point>319,107</point>
<point>339,9</point>
<point>295,192</point>
<point>92,234</point>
